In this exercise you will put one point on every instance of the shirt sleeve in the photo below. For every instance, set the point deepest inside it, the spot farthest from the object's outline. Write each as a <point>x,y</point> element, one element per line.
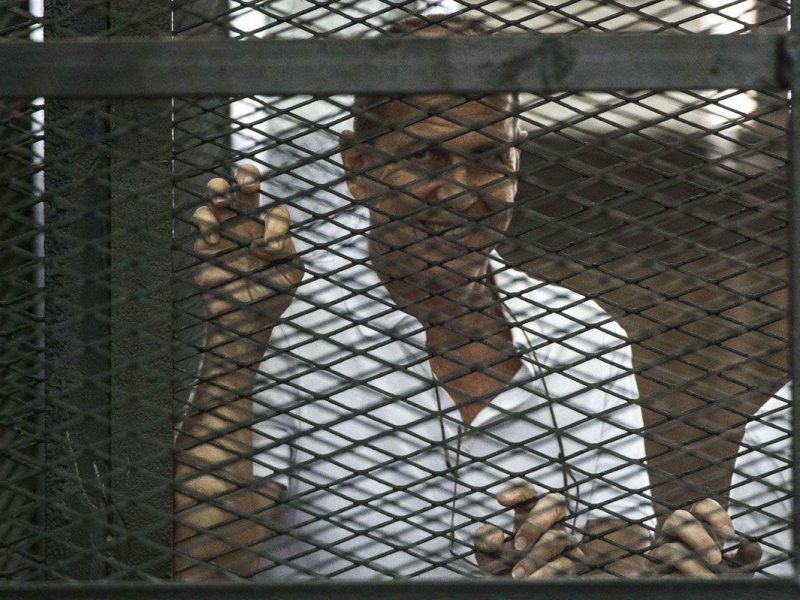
<point>760,498</point>
<point>274,405</point>
<point>605,435</point>
<point>590,376</point>
<point>621,485</point>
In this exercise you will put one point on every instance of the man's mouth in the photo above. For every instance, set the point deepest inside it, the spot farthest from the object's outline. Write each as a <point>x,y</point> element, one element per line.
<point>446,229</point>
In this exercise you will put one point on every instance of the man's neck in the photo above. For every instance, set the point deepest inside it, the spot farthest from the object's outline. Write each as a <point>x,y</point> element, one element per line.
<point>464,311</point>
<point>473,358</point>
<point>468,339</point>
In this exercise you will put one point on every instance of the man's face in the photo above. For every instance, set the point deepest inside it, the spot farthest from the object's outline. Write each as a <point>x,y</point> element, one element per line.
<point>440,186</point>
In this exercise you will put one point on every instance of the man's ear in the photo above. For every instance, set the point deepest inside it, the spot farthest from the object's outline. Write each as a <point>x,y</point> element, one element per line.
<point>516,151</point>
<point>354,160</point>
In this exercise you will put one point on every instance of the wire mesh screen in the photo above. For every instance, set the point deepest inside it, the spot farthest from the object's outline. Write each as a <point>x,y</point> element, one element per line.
<point>79,321</point>
<point>303,337</point>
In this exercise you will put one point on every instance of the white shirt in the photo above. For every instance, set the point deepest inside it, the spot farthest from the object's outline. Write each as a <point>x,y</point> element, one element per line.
<point>761,489</point>
<point>383,477</point>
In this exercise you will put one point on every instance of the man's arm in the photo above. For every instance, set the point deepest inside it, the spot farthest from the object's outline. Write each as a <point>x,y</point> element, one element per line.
<point>219,509</point>
<point>247,272</point>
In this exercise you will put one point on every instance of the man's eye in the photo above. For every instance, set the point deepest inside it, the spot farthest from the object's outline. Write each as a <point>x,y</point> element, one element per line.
<point>422,155</point>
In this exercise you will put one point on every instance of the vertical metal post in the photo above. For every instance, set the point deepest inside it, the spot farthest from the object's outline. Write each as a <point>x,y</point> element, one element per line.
<point>77,352</point>
<point>20,351</point>
<point>140,281</point>
<point>21,331</point>
<point>793,55</point>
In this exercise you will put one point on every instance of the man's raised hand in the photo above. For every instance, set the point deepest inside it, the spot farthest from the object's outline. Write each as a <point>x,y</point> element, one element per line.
<point>249,266</point>
<point>248,270</point>
<point>540,547</point>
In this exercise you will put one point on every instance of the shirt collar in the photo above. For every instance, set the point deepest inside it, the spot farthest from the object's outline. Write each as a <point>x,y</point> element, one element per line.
<point>374,309</point>
<point>372,303</point>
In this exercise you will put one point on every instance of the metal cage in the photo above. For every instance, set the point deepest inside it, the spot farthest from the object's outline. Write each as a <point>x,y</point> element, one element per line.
<point>658,180</point>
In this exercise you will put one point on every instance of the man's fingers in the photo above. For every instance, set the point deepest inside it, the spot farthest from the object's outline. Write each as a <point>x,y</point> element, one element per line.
<point>563,565</point>
<point>275,242</point>
<point>744,559</point>
<point>717,518</point>
<point>276,227</point>
<point>685,527</point>
<point>520,496</point>
<point>550,545</point>
<point>248,183</point>
<point>494,565</point>
<point>748,555</point>
<point>489,540</point>
<point>206,222</point>
<point>676,556</point>
<point>491,565</point>
<point>218,192</point>
<point>489,550</point>
<point>547,512</point>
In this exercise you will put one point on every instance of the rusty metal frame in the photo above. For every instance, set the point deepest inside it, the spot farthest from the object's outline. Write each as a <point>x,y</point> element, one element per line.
<point>141,68</point>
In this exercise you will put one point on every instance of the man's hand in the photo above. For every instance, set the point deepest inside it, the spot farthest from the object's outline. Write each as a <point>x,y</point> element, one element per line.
<point>540,547</point>
<point>249,266</point>
<point>248,273</point>
<point>691,542</point>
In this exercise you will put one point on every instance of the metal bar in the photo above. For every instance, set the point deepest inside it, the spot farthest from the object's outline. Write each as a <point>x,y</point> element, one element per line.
<point>140,280</point>
<point>793,78</point>
<point>785,589</point>
<point>76,324</point>
<point>114,68</point>
<point>109,326</point>
<point>793,72</point>
<point>21,372</point>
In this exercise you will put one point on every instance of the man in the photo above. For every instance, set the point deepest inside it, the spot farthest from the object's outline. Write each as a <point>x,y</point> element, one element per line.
<point>407,405</point>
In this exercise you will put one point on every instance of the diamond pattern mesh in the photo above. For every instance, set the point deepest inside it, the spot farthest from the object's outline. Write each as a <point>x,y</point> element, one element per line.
<point>491,312</point>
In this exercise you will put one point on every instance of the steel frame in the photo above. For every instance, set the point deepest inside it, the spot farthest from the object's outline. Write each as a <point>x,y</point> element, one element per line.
<point>730,589</point>
<point>786,589</point>
<point>161,68</point>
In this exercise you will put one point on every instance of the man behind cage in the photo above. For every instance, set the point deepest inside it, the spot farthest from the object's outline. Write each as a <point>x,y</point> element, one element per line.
<point>424,410</point>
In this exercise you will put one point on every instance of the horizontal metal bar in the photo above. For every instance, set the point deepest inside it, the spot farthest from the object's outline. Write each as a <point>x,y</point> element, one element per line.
<point>540,63</point>
<point>735,589</point>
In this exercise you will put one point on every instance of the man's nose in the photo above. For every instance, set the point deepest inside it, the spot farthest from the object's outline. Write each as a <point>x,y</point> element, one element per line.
<point>452,188</point>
